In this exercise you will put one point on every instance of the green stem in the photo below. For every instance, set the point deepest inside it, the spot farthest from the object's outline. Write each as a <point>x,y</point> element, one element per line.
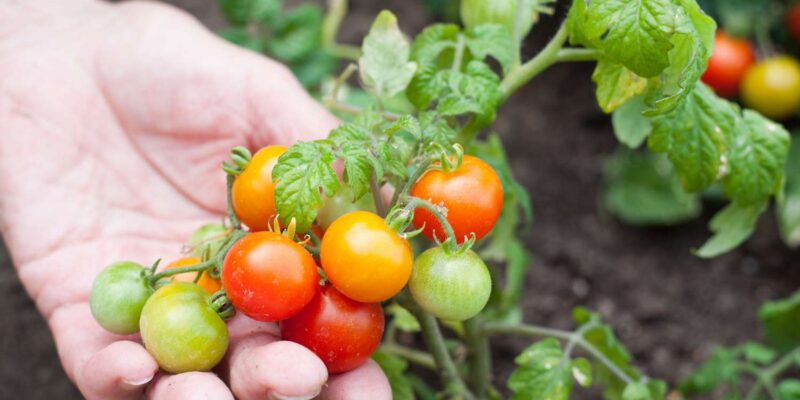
<point>459,56</point>
<point>481,371</point>
<point>521,74</point>
<point>434,340</point>
<point>208,264</point>
<point>335,13</point>
<point>377,198</point>
<point>419,169</point>
<point>416,202</point>
<point>576,55</point>
<point>417,357</point>
<point>235,224</point>
<point>783,363</point>
<point>344,51</point>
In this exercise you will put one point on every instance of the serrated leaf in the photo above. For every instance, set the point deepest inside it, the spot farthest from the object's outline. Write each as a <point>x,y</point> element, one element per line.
<point>435,42</point>
<point>491,40</point>
<point>297,35</point>
<point>634,33</point>
<point>630,126</point>
<point>731,226</point>
<point>582,371</point>
<point>758,353</point>
<point>642,189</point>
<point>615,85</point>
<point>720,368</point>
<point>695,136</point>
<point>301,172</point>
<point>384,65</point>
<point>359,166</point>
<point>394,368</point>
<point>788,207</point>
<point>757,157</point>
<point>780,320</point>
<point>403,319</point>
<point>542,373</point>
<point>476,90</point>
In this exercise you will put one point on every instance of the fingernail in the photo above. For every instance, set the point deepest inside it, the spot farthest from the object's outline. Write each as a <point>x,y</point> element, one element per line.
<point>277,396</point>
<point>136,383</point>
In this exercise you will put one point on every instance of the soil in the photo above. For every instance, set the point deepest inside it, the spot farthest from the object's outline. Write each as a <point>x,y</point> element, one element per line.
<point>669,307</point>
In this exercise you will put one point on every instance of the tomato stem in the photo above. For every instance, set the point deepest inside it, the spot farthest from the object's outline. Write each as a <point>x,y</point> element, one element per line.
<point>481,365</point>
<point>377,197</point>
<point>234,220</point>
<point>421,358</point>
<point>451,243</point>
<point>522,73</point>
<point>200,267</point>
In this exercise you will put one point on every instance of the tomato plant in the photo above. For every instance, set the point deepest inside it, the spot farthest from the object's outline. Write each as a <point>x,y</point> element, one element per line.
<point>364,259</point>
<point>454,287</point>
<point>457,190</point>
<point>252,195</point>
<point>772,87</point>
<point>118,295</point>
<point>180,329</point>
<point>268,276</point>
<point>728,64</point>
<point>341,331</point>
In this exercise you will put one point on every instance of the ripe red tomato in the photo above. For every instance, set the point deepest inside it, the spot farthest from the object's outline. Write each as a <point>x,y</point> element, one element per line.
<point>793,22</point>
<point>340,331</point>
<point>253,192</point>
<point>728,64</point>
<point>268,276</point>
<point>472,194</point>
<point>364,259</point>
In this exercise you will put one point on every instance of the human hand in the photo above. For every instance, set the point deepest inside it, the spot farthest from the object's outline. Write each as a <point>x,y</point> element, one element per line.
<point>114,120</point>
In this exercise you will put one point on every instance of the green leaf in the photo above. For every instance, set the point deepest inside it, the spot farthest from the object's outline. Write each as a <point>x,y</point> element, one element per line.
<point>757,158</point>
<point>476,90</point>
<point>636,391</point>
<point>731,226</point>
<point>788,209</point>
<point>630,126</point>
<point>301,172</point>
<point>780,319</point>
<point>758,353</point>
<point>582,371</point>
<point>542,373</point>
<point>634,33</point>
<point>491,40</point>
<point>403,319</point>
<point>297,35</point>
<point>242,38</point>
<point>642,189</point>
<point>721,368</point>
<point>394,368</point>
<point>695,136</point>
<point>789,389</point>
<point>615,85</point>
<point>576,22</point>
<point>312,70</point>
<point>240,12</point>
<point>384,65</point>
<point>433,48</point>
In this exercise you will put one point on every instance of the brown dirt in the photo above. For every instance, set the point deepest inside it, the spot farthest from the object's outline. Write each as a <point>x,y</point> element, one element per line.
<point>667,306</point>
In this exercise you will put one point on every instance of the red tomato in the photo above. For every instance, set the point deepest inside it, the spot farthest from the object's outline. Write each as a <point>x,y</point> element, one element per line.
<point>268,276</point>
<point>728,64</point>
<point>472,194</point>
<point>793,22</point>
<point>340,331</point>
<point>253,192</point>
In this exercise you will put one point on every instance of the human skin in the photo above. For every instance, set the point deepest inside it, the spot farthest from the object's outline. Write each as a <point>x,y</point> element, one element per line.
<point>113,122</point>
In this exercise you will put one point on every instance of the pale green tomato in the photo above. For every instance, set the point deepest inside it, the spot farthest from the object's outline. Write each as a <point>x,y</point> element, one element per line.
<point>118,295</point>
<point>503,12</point>
<point>342,203</point>
<point>450,286</point>
<point>181,330</point>
<point>209,236</point>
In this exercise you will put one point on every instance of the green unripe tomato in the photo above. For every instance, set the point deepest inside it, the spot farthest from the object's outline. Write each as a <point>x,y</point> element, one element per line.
<point>209,236</point>
<point>118,294</point>
<point>342,203</point>
<point>503,12</point>
<point>181,330</point>
<point>450,286</point>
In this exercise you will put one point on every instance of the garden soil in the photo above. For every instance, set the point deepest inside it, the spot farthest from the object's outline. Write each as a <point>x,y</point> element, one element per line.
<point>669,307</point>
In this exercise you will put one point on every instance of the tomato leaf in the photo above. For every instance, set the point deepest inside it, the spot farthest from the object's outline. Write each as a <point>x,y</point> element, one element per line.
<point>402,318</point>
<point>630,126</point>
<point>779,319</point>
<point>394,368</point>
<point>757,158</point>
<point>615,85</point>
<point>789,389</point>
<point>476,90</point>
<point>720,368</point>
<point>788,209</point>
<point>384,66</point>
<point>731,226</point>
<point>301,172</point>
<point>491,40</point>
<point>542,373</point>
<point>758,353</point>
<point>297,34</point>
<point>642,189</point>
<point>582,371</point>
<point>695,136</point>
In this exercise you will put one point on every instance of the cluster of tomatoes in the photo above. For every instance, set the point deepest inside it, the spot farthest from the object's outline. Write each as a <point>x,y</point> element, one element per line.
<point>770,86</point>
<point>325,293</point>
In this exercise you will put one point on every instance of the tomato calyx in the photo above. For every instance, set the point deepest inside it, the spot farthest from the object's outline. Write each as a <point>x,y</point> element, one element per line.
<point>241,158</point>
<point>400,217</point>
<point>221,305</point>
<point>449,160</point>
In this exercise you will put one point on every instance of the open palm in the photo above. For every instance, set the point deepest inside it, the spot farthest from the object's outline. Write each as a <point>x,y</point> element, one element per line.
<point>113,122</point>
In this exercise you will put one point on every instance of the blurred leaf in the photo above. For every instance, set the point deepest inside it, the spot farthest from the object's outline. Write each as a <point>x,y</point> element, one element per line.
<point>758,353</point>
<point>542,373</point>
<point>403,319</point>
<point>642,189</point>
<point>384,65</point>
<point>788,210</point>
<point>394,368</point>
<point>242,37</point>
<point>731,227</point>
<point>780,319</point>
<point>789,389</point>
<point>630,126</point>
<point>582,371</point>
<point>297,34</point>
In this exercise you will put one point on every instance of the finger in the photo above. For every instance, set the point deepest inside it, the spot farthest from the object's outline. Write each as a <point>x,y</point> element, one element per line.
<point>102,365</point>
<point>367,382</point>
<point>261,366</point>
<point>188,386</point>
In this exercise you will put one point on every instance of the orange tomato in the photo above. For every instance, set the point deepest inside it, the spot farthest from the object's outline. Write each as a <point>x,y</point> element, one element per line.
<point>206,282</point>
<point>253,192</point>
<point>364,259</point>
